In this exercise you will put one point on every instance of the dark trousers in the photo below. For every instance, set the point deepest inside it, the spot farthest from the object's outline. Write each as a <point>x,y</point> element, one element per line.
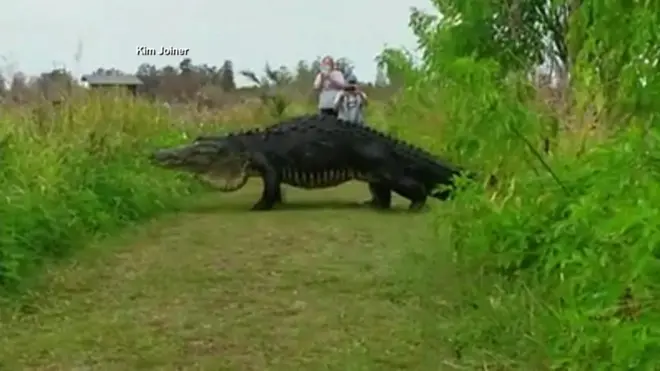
<point>329,112</point>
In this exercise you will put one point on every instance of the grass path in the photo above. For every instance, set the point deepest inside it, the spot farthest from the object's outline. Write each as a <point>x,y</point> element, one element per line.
<point>317,286</point>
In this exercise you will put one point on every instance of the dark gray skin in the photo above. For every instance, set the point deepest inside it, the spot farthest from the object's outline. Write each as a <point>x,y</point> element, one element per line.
<point>315,152</point>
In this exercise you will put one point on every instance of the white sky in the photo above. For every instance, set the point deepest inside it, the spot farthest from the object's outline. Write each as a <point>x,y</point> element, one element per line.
<point>38,35</point>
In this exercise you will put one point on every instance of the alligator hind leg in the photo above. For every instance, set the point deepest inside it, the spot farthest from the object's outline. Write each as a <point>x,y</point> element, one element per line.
<point>381,196</point>
<point>413,191</point>
<point>279,197</point>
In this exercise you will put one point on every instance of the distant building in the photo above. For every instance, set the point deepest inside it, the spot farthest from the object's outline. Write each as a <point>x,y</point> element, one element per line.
<point>128,82</point>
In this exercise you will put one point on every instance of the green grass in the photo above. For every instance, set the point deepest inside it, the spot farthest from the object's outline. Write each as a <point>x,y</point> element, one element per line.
<point>322,284</point>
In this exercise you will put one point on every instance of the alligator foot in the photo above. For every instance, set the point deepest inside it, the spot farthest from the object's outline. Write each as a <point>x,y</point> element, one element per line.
<point>381,196</point>
<point>417,206</point>
<point>271,194</point>
<point>263,205</point>
<point>413,191</point>
<point>280,197</point>
<point>376,204</point>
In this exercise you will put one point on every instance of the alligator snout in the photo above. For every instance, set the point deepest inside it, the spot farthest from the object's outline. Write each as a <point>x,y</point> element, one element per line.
<point>163,156</point>
<point>157,156</point>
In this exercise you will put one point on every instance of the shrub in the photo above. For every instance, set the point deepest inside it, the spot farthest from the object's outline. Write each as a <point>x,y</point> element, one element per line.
<point>567,271</point>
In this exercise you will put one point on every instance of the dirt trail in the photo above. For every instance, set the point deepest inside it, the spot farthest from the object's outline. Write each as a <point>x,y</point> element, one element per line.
<point>317,286</point>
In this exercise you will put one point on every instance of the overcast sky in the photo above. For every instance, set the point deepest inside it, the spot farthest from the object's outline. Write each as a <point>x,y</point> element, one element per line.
<point>39,34</point>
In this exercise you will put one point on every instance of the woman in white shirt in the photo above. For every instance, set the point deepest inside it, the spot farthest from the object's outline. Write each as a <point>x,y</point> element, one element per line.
<point>329,82</point>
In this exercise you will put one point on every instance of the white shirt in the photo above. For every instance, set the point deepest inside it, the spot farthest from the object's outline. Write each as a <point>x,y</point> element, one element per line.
<point>330,85</point>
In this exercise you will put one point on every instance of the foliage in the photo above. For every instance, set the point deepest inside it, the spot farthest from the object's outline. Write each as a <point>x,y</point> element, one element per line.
<point>516,34</point>
<point>555,268</point>
<point>81,172</point>
<point>272,95</point>
<point>580,258</point>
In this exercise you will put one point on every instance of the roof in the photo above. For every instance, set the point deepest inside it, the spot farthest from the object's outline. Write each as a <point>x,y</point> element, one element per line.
<point>112,80</point>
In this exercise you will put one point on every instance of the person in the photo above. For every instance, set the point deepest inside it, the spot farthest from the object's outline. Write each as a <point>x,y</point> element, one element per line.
<point>350,102</point>
<point>328,82</point>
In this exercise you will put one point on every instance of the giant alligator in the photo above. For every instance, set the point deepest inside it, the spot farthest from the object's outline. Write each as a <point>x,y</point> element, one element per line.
<point>314,152</point>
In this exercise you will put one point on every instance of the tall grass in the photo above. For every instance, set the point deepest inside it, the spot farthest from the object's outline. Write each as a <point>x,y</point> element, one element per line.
<point>73,171</point>
<point>80,169</point>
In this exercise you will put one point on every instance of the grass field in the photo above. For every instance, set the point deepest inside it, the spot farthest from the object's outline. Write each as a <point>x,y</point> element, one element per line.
<point>321,284</point>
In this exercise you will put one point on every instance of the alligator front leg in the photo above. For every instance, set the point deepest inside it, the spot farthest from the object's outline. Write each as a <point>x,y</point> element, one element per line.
<point>272,192</point>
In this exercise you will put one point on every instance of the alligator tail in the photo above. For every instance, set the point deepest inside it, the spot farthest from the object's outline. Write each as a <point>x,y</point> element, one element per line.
<point>492,179</point>
<point>442,195</point>
<point>446,192</point>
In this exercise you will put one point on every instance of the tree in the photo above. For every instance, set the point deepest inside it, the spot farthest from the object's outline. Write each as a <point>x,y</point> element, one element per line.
<point>148,73</point>
<point>18,87</point>
<point>345,66</point>
<point>272,77</point>
<point>381,77</point>
<point>55,83</point>
<point>518,34</point>
<point>271,88</point>
<point>227,82</point>
<point>396,65</point>
<point>186,66</point>
<point>304,74</point>
<point>3,87</point>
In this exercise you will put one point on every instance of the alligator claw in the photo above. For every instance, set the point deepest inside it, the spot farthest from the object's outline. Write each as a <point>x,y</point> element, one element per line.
<point>375,204</point>
<point>261,206</point>
<point>417,206</point>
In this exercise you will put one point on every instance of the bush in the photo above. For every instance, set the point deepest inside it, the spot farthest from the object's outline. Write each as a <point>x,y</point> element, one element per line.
<point>571,266</point>
<point>78,170</point>
<point>557,267</point>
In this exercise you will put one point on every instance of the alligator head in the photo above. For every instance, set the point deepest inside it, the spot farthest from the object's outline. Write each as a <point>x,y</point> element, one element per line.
<point>218,161</point>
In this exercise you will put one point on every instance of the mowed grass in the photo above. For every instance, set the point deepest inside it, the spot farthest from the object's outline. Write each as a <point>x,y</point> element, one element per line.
<point>321,284</point>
